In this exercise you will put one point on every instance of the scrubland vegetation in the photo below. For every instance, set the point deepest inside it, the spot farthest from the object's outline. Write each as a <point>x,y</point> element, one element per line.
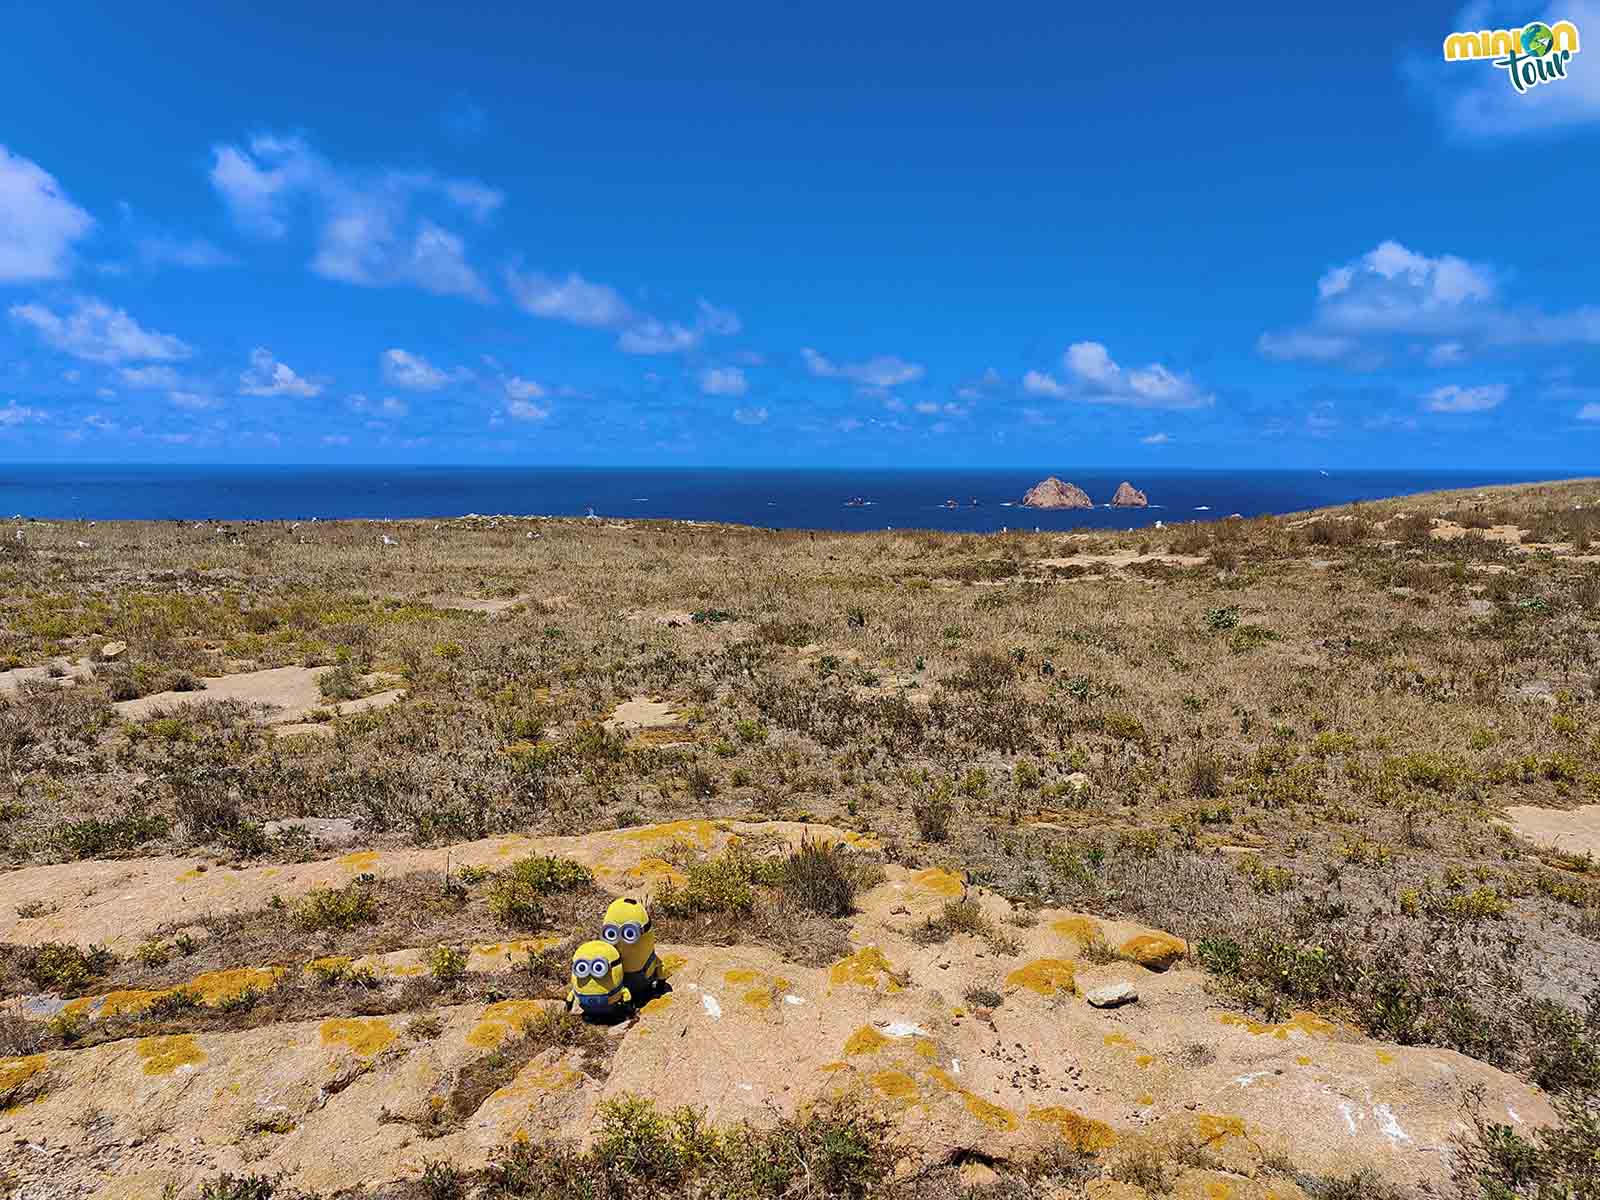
<point>1285,740</point>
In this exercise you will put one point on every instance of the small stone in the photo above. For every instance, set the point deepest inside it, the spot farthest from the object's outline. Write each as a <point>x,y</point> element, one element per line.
<point>975,1174</point>
<point>112,651</point>
<point>1078,783</point>
<point>1110,995</point>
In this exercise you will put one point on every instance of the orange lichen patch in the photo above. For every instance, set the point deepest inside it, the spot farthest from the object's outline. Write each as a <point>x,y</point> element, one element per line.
<point>1147,1099</point>
<point>1305,1023</point>
<point>1303,1060</point>
<point>703,832</point>
<point>759,997</point>
<point>1120,1039</point>
<point>659,1005</point>
<point>1213,1128</point>
<point>1082,930</point>
<point>365,1037</point>
<point>331,964</point>
<point>992,1115</point>
<point>656,870</point>
<point>671,963</point>
<point>861,841</point>
<point>164,1055</point>
<point>494,954</point>
<point>864,968</point>
<point>360,860</point>
<point>16,1071</point>
<point>830,1068</point>
<point>271,873</point>
<point>896,1085</point>
<point>501,1020</point>
<point>216,986</point>
<point>191,873</point>
<point>1047,976</point>
<point>865,1040</point>
<point>942,1077</point>
<point>939,881</point>
<point>125,1002</point>
<point>926,1048</point>
<point>1144,1060</point>
<point>1078,1131</point>
<point>1156,951</point>
<point>740,975</point>
<point>1385,1057</point>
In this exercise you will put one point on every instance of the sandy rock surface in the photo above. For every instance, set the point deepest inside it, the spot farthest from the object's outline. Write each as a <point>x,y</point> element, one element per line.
<point>741,1032</point>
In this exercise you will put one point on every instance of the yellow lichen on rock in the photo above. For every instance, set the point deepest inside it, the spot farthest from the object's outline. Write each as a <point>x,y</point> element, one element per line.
<point>658,1005</point>
<point>703,832</point>
<point>1305,1023</point>
<point>1047,976</point>
<point>166,1054</point>
<point>216,986</point>
<point>939,881</point>
<point>656,870</point>
<point>365,1037</point>
<point>992,1115</point>
<point>865,1040</point>
<point>14,1072</point>
<point>863,968</point>
<point>896,1085</point>
<point>1083,930</point>
<point>360,860</point>
<point>1155,951</point>
<point>501,1020</point>
<point>1078,1131</point>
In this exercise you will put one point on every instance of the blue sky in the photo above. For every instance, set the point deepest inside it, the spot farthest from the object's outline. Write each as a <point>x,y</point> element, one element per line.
<point>865,234</point>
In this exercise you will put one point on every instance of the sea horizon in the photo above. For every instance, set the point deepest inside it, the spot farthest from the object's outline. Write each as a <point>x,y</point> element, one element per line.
<point>824,498</point>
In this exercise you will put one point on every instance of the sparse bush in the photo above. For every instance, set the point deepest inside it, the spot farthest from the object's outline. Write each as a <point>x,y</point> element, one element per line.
<point>821,878</point>
<point>337,908</point>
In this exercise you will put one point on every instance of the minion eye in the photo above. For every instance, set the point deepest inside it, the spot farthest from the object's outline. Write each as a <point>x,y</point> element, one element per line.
<point>630,933</point>
<point>610,932</point>
<point>599,969</point>
<point>581,968</point>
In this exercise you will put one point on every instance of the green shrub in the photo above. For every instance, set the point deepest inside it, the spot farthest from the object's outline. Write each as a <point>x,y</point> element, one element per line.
<point>337,908</point>
<point>822,878</point>
<point>516,896</point>
<point>447,964</point>
<point>60,966</point>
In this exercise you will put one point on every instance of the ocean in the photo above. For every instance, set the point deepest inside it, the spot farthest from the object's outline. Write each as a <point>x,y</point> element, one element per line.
<point>785,499</point>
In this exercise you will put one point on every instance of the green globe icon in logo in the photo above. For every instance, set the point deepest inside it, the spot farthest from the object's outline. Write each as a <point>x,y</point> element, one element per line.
<point>1537,40</point>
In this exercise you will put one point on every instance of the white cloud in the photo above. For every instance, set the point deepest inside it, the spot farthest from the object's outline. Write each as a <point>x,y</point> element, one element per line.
<point>96,332</point>
<point>519,388</point>
<point>15,414</point>
<point>1156,439</point>
<point>389,406</point>
<point>266,376</point>
<point>152,378</point>
<point>723,322</point>
<point>723,381</point>
<point>195,401</point>
<point>1589,412</point>
<point>879,372</point>
<point>1299,345</point>
<point>651,336</point>
<point>1475,100</point>
<point>100,423</point>
<point>1093,377</point>
<point>751,416</point>
<point>1392,292</point>
<point>1453,399</point>
<point>375,228</point>
<point>526,410</point>
<point>335,439</point>
<point>576,300</point>
<point>38,223</point>
<point>415,373</point>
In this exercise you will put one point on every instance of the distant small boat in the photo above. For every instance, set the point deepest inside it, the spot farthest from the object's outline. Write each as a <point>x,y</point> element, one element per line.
<point>1322,473</point>
<point>1202,508</point>
<point>857,502</point>
<point>973,503</point>
<point>951,504</point>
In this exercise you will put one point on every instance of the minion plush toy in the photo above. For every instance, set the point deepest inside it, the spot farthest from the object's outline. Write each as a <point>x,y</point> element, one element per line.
<point>597,983</point>
<point>627,927</point>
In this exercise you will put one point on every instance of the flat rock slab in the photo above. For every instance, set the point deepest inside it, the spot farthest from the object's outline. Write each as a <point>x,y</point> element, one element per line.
<point>1573,831</point>
<point>636,714</point>
<point>288,694</point>
<point>1111,995</point>
<point>744,1034</point>
<point>68,674</point>
<point>121,903</point>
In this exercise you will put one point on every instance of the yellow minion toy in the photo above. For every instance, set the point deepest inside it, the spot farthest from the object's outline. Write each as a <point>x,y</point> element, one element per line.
<point>597,984</point>
<point>627,927</point>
